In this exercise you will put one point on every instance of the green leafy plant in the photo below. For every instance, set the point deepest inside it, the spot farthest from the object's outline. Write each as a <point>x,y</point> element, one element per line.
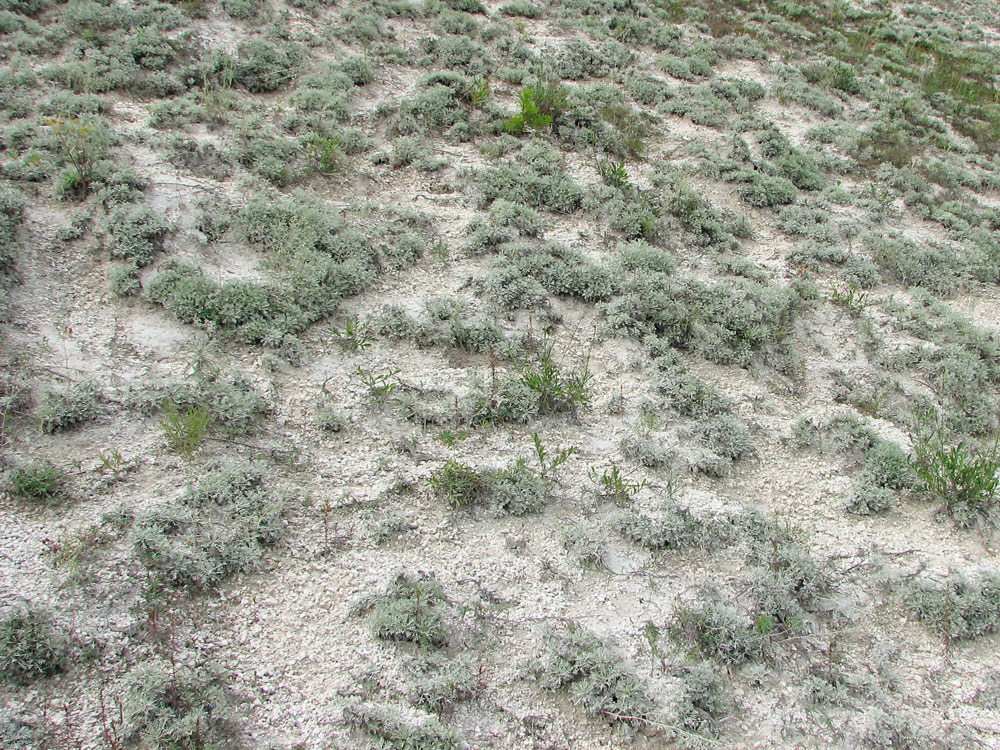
<point>380,385</point>
<point>965,478</point>
<point>30,645</point>
<point>557,391</point>
<point>77,139</point>
<point>458,484</point>
<point>614,174</point>
<point>479,92</point>
<point>548,463</point>
<point>540,106</point>
<point>355,336</point>
<point>40,481</point>
<point>184,430</point>
<point>851,299</point>
<point>451,437</point>
<point>615,485</point>
<point>325,151</point>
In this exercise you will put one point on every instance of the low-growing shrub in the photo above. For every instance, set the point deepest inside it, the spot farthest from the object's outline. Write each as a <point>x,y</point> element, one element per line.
<point>169,705</point>
<point>765,191</point>
<point>262,66</point>
<point>230,399</point>
<point>514,490</point>
<point>957,607</point>
<point>719,631</point>
<point>596,677</point>
<point>31,645</point>
<point>63,410</point>
<point>725,440</point>
<point>135,234</point>
<point>702,704</point>
<point>222,525</point>
<point>12,206</point>
<point>386,727</point>
<point>39,481</point>
<point>412,608</point>
<point>671,527</point>
<point>533,182</point>
<point>436,683</point>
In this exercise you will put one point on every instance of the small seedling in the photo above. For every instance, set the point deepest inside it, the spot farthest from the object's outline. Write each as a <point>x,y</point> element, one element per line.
<point>479,92</point>
<point>114,464</point>
<point>546,463</point>
<point>355,336</point>
<point>185,430</point>
<point>614,174</point>
<point>614,484</point>
<point>450,437</point>
<point>853,300</point>
<point>380,385</point>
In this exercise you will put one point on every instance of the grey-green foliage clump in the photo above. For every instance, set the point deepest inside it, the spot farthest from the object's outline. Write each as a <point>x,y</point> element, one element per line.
<point>727,323</point>
<point>17,734</point>
<point>173,706</point>
<point>930,267</point>
<point>685,392</point>
<point>958,607</point>
<point>318,257</point>
<point>135,234</point>
<point>579,60</point>
<point>596,677</point>
<point>31,645</point>
<point>222,525</point>
<point>713,104</point>
<point>960,360</point>
<point>38,481</point>
<point>540,386</point>
<point>702,223</point>
<point>670,527</point>
<point>879,730</point>
<point>11,217</point>
<point>262,65</point>
<point>441,102</point>
<point>783,579</point>
<point>536,179</point>
<point>702,704</point>
<point>514,490</point>
<point>63,410</point>
<point>781,586</point>
<point>720,631</point>
<point>230,398</point>
<point>437,683</point>
<point>386,728</point>
<point>412,608</point>
<point>557,268</point>
<point>885,467</point>
<point>886,470</point>
<point>456,322</point>
<point>640,256</point>
<point>724,439</point>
